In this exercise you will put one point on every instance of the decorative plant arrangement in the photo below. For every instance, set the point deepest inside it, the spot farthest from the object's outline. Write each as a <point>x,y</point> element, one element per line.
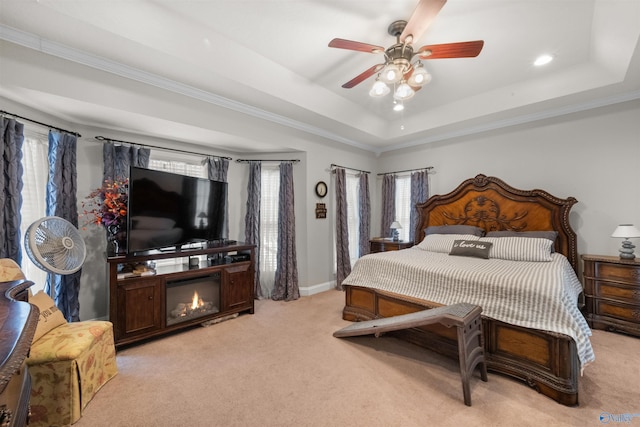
<point>107,206</point>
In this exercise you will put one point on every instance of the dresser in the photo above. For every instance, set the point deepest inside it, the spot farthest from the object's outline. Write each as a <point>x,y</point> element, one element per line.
<point>18,321</point>
<point>381,244</point>
<point>612,293</point>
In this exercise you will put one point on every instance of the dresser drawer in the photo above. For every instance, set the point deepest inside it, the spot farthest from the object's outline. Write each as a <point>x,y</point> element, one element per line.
<point>618,272</point>
<point>617,310</point>
<point>616,291</point>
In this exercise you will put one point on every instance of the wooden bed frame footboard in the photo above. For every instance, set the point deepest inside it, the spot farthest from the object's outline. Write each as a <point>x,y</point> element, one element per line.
<point>546,361</point>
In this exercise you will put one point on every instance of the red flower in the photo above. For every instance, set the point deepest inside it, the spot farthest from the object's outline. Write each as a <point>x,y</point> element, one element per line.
<point>107,205</point>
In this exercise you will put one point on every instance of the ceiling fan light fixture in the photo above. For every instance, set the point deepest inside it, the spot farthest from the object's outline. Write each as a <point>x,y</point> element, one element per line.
<point>404,92</point>
<point>398,106</point>
<point>420,76</point>
<point>391,73</point>
<point>379,89</point>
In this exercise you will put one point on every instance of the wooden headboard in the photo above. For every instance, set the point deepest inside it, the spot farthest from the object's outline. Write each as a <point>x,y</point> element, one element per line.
<point>489,203</point>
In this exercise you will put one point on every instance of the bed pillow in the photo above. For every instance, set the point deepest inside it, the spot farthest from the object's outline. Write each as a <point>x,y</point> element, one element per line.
<point>471,248</point>
<point>542,234</point>
<point>443,242</point>
<point>520,248</point>
<point>454,229</point>
<point>50,317</point>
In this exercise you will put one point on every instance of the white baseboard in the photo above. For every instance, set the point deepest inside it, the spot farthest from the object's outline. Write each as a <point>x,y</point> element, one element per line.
<point>316,289</point>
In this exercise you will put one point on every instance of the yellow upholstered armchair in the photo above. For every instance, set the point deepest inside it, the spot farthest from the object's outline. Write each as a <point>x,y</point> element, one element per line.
<point>68,362</point>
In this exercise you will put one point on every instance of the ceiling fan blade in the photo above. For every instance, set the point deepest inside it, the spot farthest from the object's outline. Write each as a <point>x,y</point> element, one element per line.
<point>363,76</point>
<point>351,45</point>
<point>451,50</point>
<point>424,13</point>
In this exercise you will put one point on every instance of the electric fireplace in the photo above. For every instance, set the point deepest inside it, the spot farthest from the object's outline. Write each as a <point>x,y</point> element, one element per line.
<point>190,299</point>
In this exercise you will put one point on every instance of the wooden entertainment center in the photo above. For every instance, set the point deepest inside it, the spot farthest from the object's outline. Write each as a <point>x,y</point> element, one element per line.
<point>157,301</point>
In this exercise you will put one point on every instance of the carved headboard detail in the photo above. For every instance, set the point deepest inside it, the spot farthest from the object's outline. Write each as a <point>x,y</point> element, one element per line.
<point>491,204</point>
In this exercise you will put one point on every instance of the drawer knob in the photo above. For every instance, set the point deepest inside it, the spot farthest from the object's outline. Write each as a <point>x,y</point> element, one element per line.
<point>636,314</point>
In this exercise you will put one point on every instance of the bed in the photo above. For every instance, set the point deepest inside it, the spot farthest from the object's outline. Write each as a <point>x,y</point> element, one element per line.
<point>546,349</point>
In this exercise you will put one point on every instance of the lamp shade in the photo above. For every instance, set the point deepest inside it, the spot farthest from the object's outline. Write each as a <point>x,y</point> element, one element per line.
<point>626,231</point>
<point>391,73</point>
<point>379,89</point>
<point>395,225</point>
<point>404,92</point>
<point>420,76</point>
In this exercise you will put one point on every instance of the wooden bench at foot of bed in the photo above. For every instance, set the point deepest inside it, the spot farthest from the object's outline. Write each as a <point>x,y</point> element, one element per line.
<point>546,361</point>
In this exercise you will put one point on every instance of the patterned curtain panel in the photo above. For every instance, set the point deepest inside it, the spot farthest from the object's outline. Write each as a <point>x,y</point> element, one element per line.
<point>62,202</point>
<point>252,220</point>
<point>118,158</point>
<point>343,261</point>
<point>11,184</point>
<point>364,214</point>
<point>388,204</point>
<point>286,281</point>
<point>419,193</point>
<point>217,169</point>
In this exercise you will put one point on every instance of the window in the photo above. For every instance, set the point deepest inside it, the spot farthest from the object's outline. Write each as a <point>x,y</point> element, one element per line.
<point>269,202</point>
<point>35,163</point>
<point>180,167</point>
<point>353,216</point>
<point>403,205</point>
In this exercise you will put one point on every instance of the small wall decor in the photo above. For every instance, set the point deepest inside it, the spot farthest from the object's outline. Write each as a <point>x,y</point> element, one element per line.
<point>321,189</point>
<point>321,210</point>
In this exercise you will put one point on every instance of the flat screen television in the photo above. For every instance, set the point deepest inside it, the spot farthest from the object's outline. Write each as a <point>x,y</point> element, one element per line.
<point>170,210</point>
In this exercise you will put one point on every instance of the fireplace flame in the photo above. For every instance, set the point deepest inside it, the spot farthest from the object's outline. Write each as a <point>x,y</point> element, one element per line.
<point>197,301</point>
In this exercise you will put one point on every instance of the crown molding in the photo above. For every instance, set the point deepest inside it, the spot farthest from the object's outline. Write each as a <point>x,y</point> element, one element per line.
<point>59,50</point>
<point>48,47</point>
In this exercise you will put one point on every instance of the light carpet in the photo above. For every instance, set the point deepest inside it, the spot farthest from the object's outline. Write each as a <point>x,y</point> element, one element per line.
<point>282,367</point>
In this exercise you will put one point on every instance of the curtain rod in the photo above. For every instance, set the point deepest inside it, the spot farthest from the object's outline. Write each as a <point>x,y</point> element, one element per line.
<point>408,170</point>
<point>104,139</point>
<point>40,123</point>
<point>346,167</point>
<point>267,160</point>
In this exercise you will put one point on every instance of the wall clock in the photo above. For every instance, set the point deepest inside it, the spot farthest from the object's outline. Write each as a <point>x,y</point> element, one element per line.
<point>321,189</point>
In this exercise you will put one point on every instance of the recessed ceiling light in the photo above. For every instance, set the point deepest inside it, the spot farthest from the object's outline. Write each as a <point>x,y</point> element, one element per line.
<point>543,60</point>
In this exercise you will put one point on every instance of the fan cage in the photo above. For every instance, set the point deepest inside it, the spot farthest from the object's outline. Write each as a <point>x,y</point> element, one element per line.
<point>53,244</point>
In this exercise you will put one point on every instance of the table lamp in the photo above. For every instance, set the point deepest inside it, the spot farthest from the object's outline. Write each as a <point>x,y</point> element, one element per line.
<point>626,232</point>
<point>395,226</point>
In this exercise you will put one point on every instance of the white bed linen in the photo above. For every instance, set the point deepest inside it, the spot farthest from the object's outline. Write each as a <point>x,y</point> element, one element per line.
<point>537,295</point>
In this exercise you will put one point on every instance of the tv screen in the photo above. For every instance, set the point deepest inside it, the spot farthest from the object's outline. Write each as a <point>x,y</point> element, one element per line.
<point>172,210</point>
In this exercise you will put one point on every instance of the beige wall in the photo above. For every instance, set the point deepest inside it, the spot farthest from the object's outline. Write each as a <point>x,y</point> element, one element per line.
<point>593,156</point>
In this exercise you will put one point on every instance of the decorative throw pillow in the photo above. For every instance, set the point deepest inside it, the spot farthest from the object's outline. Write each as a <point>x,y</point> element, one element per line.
<point>443,242</point>
<point>454,229</point>
<point>520,248</point>
<point>471,248</point>
<point>50,317</point>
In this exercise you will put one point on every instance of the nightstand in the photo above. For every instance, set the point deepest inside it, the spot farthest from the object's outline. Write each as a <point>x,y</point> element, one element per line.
<point>612,293</point>
<point>381,244</point>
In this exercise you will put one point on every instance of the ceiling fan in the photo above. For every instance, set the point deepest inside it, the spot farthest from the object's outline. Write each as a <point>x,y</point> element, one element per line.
<point>398,68</point>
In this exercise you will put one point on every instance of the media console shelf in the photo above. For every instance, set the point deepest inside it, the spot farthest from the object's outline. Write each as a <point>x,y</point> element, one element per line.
<point>191,292</point>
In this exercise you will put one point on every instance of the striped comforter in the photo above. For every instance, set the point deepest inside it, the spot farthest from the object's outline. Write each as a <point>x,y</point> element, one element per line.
<point>537,295</point>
